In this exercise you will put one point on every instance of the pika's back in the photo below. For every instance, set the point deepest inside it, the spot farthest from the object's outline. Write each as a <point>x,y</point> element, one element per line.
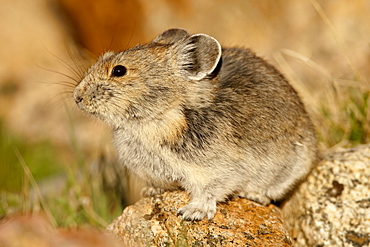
<point>255,99</point>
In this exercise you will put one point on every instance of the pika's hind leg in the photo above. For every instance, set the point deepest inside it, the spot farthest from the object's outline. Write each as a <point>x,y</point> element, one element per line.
<point>254,196</point>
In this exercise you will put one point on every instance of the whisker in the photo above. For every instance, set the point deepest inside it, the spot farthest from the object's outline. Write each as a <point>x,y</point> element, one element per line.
<point>64,94</point>
<point>67,84</point>
<point>132,31</point>
<point>64,63</point>
<point>57,100</point>
<point>114,34</point>
<point>81,64</point>
<point>60,73</point>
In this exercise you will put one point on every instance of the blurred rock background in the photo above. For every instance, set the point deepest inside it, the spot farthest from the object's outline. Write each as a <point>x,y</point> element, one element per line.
<point>322,47</point>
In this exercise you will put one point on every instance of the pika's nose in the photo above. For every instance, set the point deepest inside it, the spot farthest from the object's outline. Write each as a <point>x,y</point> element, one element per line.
<point>78,99</point>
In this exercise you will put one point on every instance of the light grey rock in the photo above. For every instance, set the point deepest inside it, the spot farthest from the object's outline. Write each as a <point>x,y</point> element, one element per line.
<point>332,208</point>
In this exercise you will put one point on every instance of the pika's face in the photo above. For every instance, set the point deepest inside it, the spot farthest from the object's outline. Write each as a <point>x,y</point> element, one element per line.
<point>148,81</point>
<point>133,84</point>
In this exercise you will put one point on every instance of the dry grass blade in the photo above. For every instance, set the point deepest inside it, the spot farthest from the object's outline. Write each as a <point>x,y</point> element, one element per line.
<point>35,187</point>
<point>340,43</point>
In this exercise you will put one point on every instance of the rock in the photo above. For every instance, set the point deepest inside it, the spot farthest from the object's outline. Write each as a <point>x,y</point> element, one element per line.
<point>36,231</point>
<point>332,208</point>
<point>238,222</point>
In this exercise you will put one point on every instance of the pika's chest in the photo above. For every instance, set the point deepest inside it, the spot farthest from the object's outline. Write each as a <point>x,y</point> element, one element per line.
<point>146,159</point>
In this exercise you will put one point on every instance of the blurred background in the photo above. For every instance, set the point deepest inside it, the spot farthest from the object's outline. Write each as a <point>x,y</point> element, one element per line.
<point>56,159</point>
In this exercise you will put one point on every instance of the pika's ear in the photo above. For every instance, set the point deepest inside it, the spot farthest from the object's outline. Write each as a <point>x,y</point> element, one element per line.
<point>171,36</point>
<point>199,56</point>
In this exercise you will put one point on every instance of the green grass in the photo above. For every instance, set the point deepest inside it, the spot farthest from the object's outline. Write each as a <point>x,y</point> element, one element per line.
<point>34,176</point>
<point>348,124</point>
<point>358,114</point>
<point>36,156</point>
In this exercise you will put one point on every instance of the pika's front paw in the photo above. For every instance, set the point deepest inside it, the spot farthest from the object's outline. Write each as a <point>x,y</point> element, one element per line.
<point>149,191</point>
<point>197,211</point>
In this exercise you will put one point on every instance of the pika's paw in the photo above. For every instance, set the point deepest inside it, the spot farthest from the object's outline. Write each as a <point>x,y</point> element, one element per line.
<point>256,197</point>
<point>197,211</point>
<point>149,191</point>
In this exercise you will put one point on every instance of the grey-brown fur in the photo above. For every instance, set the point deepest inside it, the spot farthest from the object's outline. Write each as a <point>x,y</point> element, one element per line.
<point>214,121</point>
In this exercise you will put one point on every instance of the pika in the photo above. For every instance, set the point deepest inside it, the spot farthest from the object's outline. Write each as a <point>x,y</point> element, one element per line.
<point>216,122</point>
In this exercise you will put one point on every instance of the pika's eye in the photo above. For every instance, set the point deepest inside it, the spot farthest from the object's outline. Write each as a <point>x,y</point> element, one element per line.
<point>119,71</point>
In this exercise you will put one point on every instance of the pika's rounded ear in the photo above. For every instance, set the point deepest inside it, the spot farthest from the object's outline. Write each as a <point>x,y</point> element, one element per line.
<point>171,36</point>
<point>199,56</point>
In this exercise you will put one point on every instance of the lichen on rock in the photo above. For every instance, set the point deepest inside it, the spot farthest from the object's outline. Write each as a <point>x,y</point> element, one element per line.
<point>238,222</point>
<point>332,208</point>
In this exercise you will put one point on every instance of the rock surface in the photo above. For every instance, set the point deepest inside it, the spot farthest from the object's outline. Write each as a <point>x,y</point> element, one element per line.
<point>238,222</point>
<point>332,208</point>
<point>36,231</point>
